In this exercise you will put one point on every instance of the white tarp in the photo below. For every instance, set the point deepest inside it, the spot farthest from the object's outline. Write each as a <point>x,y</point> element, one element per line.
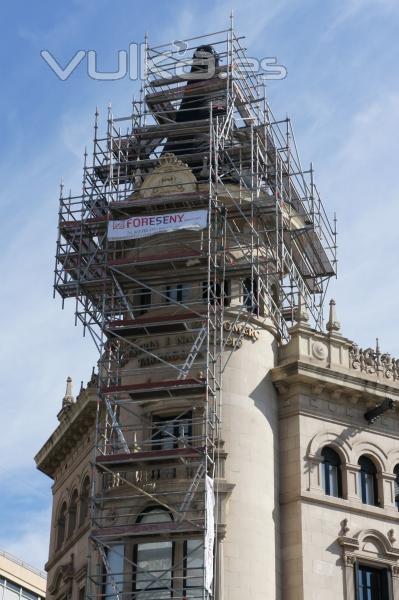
<point>147,225</point>
<point>209,534</point>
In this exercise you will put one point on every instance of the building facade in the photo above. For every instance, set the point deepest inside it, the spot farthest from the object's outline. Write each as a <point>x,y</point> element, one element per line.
<point>229,445</point>
<point>66,457</point>
<point>19,581</point>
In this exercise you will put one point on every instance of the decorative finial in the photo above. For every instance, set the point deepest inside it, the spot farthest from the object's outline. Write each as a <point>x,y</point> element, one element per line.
<point>301,315</point>
<point>68,399</point>
<point>333,324</point>
<point>204,173</point>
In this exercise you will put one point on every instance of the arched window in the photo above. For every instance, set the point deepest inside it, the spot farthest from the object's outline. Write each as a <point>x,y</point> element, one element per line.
<point>72,512</point>
<point>396,484</point>
<point>154,561</point>
<point>331,472</point>
<point>61,524</point>
<point>84,501</point>
<point>368,481</point>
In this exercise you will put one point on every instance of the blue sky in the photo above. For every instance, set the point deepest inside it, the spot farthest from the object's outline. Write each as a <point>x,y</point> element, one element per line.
<point>342,92</point>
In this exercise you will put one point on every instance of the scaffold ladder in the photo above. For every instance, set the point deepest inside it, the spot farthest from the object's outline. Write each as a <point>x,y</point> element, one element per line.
<point>185,505</point>
<point>115,426</point>
<point>193,353</point>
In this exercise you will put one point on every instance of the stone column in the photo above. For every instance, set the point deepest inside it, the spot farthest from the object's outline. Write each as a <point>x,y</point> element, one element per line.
<point>314,483</point>
<point>395,582</point>
<point>350,483</point>
<point>349,575</point>
<point>386,491</point>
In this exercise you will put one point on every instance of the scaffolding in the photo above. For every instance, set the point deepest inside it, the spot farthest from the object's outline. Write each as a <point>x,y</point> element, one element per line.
<point>166,312</point>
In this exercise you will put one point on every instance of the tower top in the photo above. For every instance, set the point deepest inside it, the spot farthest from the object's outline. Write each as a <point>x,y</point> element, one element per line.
<point>68,399</point>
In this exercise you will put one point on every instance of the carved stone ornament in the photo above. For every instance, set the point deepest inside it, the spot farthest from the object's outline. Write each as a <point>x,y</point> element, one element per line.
<point>344,527</point>
<point>350,560</point>
<point>373,362</point>
<point>63,575</point>
<point>319,351</point>
<point>171,176</point>
<point>391,536</point>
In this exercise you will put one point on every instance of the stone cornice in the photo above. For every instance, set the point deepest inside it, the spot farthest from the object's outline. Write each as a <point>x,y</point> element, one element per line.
<point>335,361</point>
<point>337,379</point>
<point>345,506</point>
<point>75,422</point>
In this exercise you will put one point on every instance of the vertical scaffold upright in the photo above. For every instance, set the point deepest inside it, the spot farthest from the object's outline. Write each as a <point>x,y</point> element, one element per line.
<point>167,308</point>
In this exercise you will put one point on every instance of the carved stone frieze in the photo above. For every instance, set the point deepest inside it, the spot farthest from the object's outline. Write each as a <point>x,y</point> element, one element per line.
<point>374,362</point>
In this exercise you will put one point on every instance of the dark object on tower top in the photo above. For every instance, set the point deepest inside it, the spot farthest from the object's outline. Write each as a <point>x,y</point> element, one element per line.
<point>203,88</point>
<point>205,58</point>
<point>195,105</point>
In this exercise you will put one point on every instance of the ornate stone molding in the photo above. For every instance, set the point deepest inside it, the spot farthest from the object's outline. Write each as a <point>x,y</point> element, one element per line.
<point>63,576</point>
<point>169,177</point>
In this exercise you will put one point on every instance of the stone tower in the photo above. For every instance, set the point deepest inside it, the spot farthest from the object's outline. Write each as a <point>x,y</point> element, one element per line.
<point>240,447</point>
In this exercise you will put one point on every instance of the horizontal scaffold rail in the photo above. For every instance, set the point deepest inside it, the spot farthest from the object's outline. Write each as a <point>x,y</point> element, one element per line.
<point>149,456</point>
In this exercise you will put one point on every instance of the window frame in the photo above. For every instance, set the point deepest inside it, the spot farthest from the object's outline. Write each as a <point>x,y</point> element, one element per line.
<point>73,513</point>
<point>396,485</point>
<point>135,591</point>
<point>218,290</point>
<point>157,420</point>
<point>62,521</point>
<point>84,501</point>
<point>386,589</point>
<point>326,474</point>
<point>186,588</point>
<point>250,290</point>
<point>364,477</point>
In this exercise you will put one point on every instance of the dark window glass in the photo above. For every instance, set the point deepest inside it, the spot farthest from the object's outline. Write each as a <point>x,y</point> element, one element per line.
<point>396,472</point>
<point>170,432</point>
<point>331,472</point>
<point>368,481</point>
<point>84,501</point>
<point>175,292</point>
<point>72,512</point>
<point>61,524</point>
<point>216,291</point>
<point>372,584</point>
<point>144,300</point>
<point>250,290</point>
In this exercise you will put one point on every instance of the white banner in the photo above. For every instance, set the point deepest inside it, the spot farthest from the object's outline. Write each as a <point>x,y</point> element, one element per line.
<point>147,225</point>
<point>209,534</point>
